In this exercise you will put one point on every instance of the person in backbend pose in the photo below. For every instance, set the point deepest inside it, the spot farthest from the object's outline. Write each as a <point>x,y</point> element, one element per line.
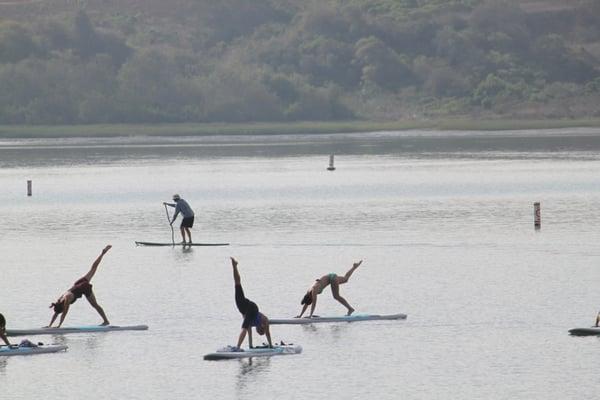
<point>3,330</point>
<point>81,287</point>
<point>182,206</point>
<point>310,298</point>
<point>249,310</point>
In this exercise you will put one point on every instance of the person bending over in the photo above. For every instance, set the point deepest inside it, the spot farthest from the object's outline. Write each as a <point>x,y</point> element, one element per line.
<point>310,298</point>
<point>80,288</point>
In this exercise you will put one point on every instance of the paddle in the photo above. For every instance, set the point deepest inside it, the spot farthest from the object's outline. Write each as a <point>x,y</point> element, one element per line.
<point>171,225</point>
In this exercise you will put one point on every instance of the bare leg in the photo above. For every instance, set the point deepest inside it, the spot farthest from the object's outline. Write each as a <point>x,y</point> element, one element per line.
<point>182,229</point>
<point>92,300</point>
<point>345,278</point>
<point>189,235</point>
<point>335,290</point>
<point>236,275</point>
<point>96,263</point>
<point>598,319</point>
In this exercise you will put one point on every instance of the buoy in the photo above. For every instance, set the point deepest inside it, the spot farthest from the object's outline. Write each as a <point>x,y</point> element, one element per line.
<point>537,215</point>
<point>331,167</point>
<point>29,191</point>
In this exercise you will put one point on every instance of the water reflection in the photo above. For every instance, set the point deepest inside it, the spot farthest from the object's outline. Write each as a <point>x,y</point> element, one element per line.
<point>249,371</point>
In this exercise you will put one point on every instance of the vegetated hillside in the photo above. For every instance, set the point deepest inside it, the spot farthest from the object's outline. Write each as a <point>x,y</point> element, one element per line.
<point>67,61</point>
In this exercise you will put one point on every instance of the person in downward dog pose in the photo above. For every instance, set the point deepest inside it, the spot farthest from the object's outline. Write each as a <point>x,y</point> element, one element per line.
<point>249,310</point>
<point>310,298</point>
<point>81,287</point>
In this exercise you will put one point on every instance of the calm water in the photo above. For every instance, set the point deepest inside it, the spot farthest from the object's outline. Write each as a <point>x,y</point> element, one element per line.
<point>444,222</point>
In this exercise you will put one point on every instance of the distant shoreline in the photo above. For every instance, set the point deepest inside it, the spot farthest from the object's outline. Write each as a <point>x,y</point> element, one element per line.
<point>279,128</point>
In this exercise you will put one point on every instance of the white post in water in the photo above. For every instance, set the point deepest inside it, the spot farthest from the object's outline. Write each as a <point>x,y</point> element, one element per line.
<point>28,188</point>
<point>537,215</point>
<point>331,167</point>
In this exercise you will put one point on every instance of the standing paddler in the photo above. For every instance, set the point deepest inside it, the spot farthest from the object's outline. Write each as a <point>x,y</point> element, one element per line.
<point>182,206</point>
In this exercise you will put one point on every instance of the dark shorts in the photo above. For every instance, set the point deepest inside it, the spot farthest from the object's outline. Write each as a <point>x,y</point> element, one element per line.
<point>247,308</point>
<point>187,222</point>
<point>80,288</point>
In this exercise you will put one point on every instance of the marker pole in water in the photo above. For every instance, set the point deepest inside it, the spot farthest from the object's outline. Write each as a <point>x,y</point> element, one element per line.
<point>537,215</point>
<point>29,188</point>
<point>331,167</point>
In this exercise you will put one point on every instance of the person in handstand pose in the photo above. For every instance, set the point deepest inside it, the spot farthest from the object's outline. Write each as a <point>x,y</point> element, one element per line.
<point>249,310</point>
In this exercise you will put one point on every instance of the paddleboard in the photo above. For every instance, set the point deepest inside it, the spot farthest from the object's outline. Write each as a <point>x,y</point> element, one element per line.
<point>74,329</point>
<point>179,244</point>
<point>592,331</point>
<point>229,352</point>
<point>345,318</point>
<point>27,351</point>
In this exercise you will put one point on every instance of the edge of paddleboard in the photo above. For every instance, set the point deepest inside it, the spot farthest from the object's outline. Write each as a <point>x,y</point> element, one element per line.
<point>74,329</point>
<point>5,351</point>
<point>592,331</point>
<point>351,318</point>
<point>225,354</point>
<point>179,244</point>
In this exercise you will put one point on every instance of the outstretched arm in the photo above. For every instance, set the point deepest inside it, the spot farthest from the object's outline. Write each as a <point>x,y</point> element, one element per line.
<point>67,304</point>
<point>304,307</point>
<point>314,302</point>
<point>268,334</point>
<point>241,338</point>
<point>52,320</point>
<point>168,204</point>
<point>3,336</point>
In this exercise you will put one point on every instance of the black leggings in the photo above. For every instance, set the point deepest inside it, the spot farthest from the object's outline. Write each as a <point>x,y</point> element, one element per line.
<point>247,308</point>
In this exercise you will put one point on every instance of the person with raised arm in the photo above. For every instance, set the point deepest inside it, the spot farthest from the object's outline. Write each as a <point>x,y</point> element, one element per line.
<point>249,310</point>
<point>310,298</point>
<point>80,288</point>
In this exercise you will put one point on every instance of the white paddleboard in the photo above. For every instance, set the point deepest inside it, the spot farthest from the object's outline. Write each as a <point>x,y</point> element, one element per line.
<point>345,318</point>
<point>74,329</point>
<point>179,244</point>
<point>229,352</point>
<point>6,351</point>
<point>592,331</point>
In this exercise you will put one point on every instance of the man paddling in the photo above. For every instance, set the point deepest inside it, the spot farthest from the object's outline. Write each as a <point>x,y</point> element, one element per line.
<point>182,206</point>
<point>3,330</point>
<point>310,298</point>
<point>249,310</point>
<point>81,287</point>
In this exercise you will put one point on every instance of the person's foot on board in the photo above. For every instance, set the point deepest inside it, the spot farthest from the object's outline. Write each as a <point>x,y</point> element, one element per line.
<point>105,323</point>
<point>350,311</point>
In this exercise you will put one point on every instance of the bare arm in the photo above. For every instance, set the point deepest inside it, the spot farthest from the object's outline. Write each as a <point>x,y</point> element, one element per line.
<point>314,303</point>
<point>241,338</point>
<point>3,336</point>
<point>250,337</point>
<point>52,320</point>
<point>304,307</point>
<point>67,304</point>
<point>268,334</point>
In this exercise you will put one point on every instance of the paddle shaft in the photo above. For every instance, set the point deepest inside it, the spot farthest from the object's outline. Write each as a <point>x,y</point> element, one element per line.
<point>171,225</point>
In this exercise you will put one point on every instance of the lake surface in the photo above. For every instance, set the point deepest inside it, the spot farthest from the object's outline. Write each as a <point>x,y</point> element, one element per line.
<point>442,220</point>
